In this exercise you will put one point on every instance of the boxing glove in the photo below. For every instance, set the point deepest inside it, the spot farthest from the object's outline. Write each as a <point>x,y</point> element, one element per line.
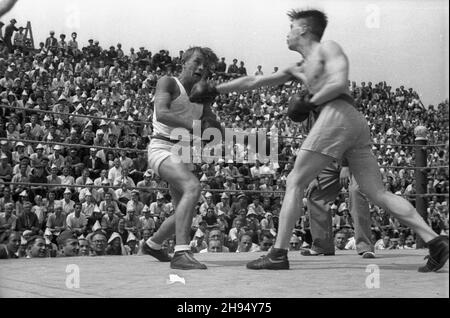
<point>202,93</point>
<point>299,107</point>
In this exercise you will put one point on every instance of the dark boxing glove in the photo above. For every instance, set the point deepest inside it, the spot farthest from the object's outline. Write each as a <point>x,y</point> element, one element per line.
<point>299,107</point>
<point>202,93</point>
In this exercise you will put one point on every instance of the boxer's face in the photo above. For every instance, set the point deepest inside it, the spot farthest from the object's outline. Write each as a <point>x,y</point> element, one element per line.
<point>195,66</point>
<point>297,28</point>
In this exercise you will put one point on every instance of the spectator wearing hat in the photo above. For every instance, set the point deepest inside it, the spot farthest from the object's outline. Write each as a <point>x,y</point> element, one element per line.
<point>146,220</point>
<point>53,178</point>
<point>83,179</point>
<point>36,158</point>
<point>76,221</point>
<point>208,203</point>
<point>267,222</point>
<point>67,203</point>
<point>158,208</point>
<point>256,207</point>
<point>101,193</point>
<point>56,158</point>
<point>224,205</point>
<point>198,243</point>
<point>132,223</point>
<point>115,245</point>
<point>102,179</point>
<point>20,152</point>
<point>144,193</point>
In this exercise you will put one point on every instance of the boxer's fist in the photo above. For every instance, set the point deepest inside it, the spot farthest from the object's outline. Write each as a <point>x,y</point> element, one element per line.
<point>299,107</point>
<point>202,92</point>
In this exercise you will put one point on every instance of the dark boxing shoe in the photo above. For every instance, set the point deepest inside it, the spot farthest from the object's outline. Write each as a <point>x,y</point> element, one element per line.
<point>368,255</point>
<point>310,252</point>
<point>438,255</point>
<point>185,260</point>
<point>161,255</point>
<point>271,261</point>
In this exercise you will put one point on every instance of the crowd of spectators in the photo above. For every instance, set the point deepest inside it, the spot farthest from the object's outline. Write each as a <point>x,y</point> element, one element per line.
<point>100,202</point>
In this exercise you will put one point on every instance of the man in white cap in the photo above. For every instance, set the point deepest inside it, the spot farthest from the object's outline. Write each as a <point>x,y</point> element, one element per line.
<point>144,193</point>
<point>53,178</point>
<point>135,203</point>
<point>37,156</point>
<point>68,205</point>
<point>158,208</point>
<point>56,158</point>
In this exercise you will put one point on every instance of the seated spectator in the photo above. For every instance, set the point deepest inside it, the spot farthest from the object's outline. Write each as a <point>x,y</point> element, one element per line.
<point>68,205</point>
<point>158,208</point>
<point>11,247</point>
<point>246,244</point>
<point>146,220</point>
<point>134,203</point>
<point>84,247</point>
<point>115,245</point>
<point>132,246</point>
<point>36,248</point>
<point>109,202</point>
<point>198,243</point>
<point>70,247</point>
<point>28,220</point>
<point>56,221</point>
<point>214,246</point>
<point>295,243</point>
<point>409,243</point>
<point>210,218</point>
<point>99,243</point>
<point>76,221</point>
<point>383,244</point>
<point>216,235</point>
<point>266,242</point>
<point>8,221</point>
<point>132,223</point>
<point>340,240</point>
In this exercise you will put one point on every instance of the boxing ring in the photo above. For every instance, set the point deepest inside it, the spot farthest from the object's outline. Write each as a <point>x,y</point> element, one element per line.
<point>392,274</point>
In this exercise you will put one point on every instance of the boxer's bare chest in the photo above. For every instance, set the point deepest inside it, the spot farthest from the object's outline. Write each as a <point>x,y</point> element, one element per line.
<point>314,70</point>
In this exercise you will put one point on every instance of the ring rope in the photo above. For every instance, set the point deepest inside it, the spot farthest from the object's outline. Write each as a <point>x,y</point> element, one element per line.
<point>204,157</point>
<point>150,123</point>
<point>167,189</point>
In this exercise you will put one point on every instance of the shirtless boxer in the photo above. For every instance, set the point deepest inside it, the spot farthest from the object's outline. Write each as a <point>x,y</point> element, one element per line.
<point>340,131</point>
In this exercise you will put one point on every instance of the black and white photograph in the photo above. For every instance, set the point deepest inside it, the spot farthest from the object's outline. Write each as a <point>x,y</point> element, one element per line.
<point>219,156</point>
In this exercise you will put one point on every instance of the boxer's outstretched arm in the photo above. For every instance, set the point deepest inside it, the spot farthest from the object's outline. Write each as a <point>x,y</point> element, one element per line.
<point>247,83</point>
<point>336,72</point>
<point>6,5</point>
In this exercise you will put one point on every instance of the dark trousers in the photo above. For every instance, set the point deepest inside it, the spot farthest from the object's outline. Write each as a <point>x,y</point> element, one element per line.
<point>321,220</point>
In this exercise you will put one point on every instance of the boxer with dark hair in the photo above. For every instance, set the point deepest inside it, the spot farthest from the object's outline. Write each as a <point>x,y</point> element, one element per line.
<point>340,131</point>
